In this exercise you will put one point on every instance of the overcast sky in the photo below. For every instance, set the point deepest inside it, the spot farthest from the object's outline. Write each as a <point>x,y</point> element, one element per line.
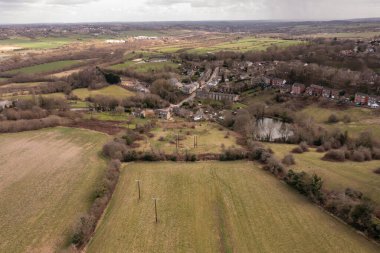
<point>51,11</point>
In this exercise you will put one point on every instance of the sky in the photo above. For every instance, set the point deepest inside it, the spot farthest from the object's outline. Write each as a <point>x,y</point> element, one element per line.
<point>72,11</point>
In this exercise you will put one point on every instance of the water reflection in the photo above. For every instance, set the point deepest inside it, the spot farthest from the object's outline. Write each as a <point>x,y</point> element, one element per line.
<point>269,129</point>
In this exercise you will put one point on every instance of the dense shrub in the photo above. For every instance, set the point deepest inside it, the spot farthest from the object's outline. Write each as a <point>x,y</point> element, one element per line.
<point>335,155</point>
<point>310,186</point>
<point>304,146</point>
<point>288,160</point>
<point>346,119</point>
<point>34,113</point>
<point>297,150</point>
<point>321,149</point>
<point>333,119</point>
<point>233,154</point>
<point>115,150</point>
<point>33,124</point>
<point>376,153</point>
<point>87,223</point>
<point>274,167</point>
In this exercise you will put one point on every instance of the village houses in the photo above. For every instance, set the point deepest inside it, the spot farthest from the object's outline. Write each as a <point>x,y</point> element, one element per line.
<point>298,88</point>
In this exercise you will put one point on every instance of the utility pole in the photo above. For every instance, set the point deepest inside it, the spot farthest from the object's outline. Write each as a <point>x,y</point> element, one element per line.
<point>177,142</point>
<point>155,209</point>
<point>138,188</point>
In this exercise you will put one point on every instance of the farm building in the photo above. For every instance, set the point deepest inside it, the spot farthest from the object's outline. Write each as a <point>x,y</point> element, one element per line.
<point>163,114</point>
<point>361,99</point>
<point>298,88</point>
<point>141,113</point>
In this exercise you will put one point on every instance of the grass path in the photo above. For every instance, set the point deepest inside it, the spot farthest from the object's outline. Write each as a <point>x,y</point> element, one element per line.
<point>216,207</point>
<point>46,181</point>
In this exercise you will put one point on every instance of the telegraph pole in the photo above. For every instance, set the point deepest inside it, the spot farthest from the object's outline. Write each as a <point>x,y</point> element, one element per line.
<point>138,187</point>
<point>155,209</point>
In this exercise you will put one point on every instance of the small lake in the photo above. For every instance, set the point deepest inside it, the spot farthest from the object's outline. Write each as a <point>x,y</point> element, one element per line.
<point>269,129</point>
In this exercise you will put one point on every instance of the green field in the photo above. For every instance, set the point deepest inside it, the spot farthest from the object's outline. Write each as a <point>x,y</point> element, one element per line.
<point>29,96</point>
<point>344,35</point>
<point>38,43</point>
<point>22,85</point>
<point>45,68</point>
<point>46,182</point>
<point>362,119</point>
<point>246,44</point>
<point>144,67</point>
<point>336,175</point>
<point>211,138</point>
<point>111,91</point>
<point>216,207</point>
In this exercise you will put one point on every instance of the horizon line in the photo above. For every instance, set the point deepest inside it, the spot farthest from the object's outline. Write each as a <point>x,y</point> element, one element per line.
<point>197,21</point>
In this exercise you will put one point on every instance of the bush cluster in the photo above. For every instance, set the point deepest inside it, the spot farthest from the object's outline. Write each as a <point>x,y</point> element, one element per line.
<point>87,223</point>
<point>14,126</point>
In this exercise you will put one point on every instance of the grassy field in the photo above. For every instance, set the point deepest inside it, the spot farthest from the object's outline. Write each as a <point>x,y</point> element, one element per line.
<point>29,96</point>
<point>362,119</point>
<point>22,85</point>
<point>337,176</point>
<point>210,136</point>
<point>216,207</point>
<point>46,182</point>
<point>246,44</point>
<point>347,35</point>
<point>144,67</point>
<point>111,91</point>
<point>39,43</point>
<point>45,68</point>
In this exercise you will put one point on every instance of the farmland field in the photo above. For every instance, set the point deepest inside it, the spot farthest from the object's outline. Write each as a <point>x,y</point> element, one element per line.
<point>27,95</point>
<point>211,138</point>
<point>144,67</point>
<point>216,207</point>
<point>337,176</point>
<point>246,44</point>
<point>46,181</point>
<point>111,91</point>
<point>40,43</point>
<point>22,85</point>
<point>44,68</point>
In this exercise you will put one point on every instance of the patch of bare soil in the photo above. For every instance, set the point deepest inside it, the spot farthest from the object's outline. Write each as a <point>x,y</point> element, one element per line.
<point>108,127</point>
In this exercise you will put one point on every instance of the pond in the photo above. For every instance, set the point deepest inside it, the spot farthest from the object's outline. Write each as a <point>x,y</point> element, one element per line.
<point>268,129</point>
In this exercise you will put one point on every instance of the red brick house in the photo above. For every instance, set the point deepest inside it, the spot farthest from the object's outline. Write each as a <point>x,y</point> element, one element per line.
<point>298,88</point>
<point>361,99</point>
<point>314,90</point>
